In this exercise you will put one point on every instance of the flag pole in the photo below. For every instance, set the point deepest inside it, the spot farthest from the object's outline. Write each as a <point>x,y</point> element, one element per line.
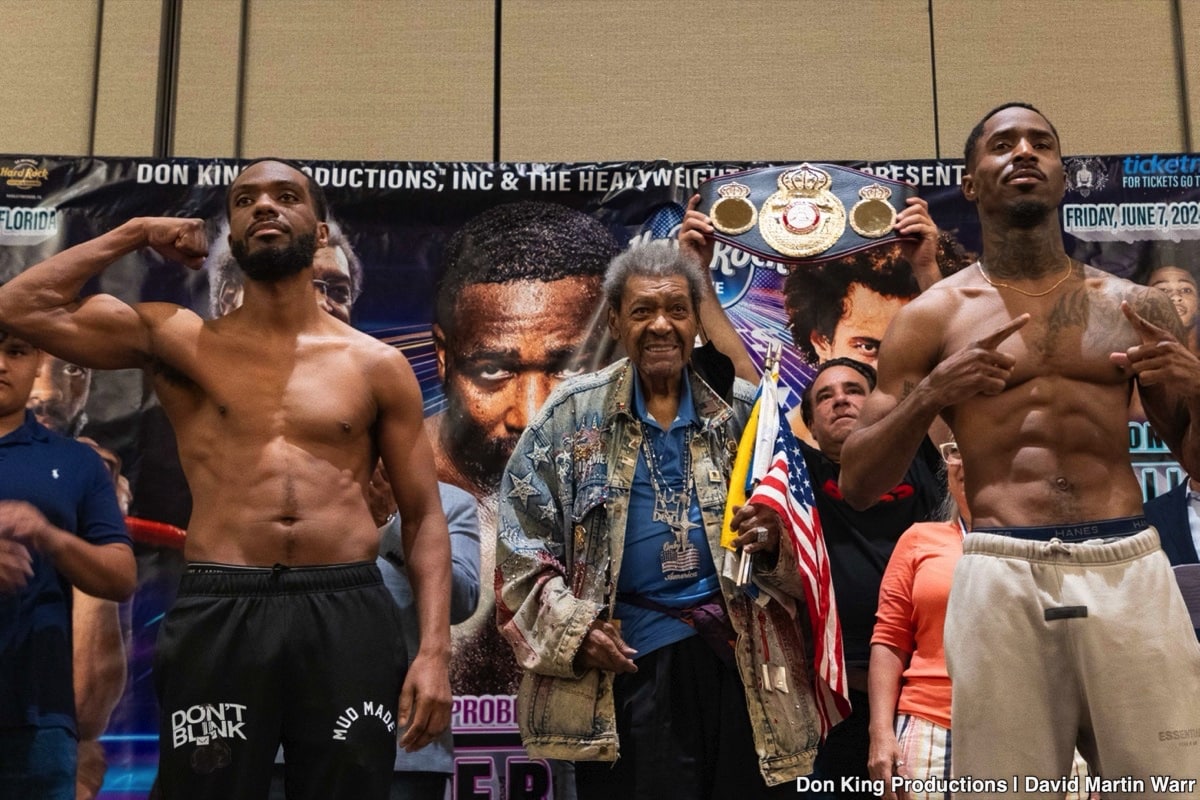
<point>764,440</point>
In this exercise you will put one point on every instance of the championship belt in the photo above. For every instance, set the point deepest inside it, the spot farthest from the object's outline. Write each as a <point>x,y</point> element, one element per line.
<point>804,213</point>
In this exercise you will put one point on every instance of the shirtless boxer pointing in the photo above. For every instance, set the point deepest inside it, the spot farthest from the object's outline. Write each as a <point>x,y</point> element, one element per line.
<point>1065,625</point>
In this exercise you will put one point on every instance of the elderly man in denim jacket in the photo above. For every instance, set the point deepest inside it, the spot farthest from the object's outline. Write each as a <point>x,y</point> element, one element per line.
<point>634,648</point>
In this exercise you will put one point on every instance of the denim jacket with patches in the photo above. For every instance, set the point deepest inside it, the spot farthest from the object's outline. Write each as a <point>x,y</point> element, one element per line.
<point>564,502</point>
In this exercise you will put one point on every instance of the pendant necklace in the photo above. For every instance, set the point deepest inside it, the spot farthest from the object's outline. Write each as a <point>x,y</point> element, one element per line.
<point>671,506</point>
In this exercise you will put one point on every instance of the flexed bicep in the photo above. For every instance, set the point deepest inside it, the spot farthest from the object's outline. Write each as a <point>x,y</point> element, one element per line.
<point>43,303</point>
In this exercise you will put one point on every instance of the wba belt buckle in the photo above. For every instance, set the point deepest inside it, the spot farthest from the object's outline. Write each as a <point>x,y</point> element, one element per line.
<point>797,214</point>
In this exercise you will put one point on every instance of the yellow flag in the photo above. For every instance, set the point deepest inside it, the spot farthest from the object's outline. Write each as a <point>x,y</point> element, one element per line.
<point>737,478</point>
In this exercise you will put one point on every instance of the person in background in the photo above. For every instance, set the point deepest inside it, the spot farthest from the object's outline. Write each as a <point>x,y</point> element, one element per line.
<point>610,529</point>
<point>859,543</point>
<point>60,526</point>
<point>909,687</point>
<point>425,774</point>
<point>59,397</point>
<point>1176,517</point>
<point>1179,284</point>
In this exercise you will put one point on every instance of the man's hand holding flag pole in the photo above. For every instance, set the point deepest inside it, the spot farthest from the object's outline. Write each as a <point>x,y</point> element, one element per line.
<point>770,470</point>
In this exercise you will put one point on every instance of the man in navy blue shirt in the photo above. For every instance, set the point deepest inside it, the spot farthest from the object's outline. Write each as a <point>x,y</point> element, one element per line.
<point>60,525</point>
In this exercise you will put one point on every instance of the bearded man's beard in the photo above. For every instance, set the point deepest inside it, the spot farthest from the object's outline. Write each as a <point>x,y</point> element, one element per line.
<point>272,264</point>
<point>478,455</point>
<point>1028,214</point>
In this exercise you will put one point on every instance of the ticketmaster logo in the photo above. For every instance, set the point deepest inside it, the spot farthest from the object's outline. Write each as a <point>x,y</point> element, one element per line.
<point>1168,165</point>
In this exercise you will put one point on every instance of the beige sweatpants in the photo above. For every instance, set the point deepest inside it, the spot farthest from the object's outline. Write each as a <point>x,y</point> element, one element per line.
<point>1050,645</point>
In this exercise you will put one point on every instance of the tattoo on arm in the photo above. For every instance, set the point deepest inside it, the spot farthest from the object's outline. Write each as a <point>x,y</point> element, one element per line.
<point>1154,306</point>
<point>909,386</point>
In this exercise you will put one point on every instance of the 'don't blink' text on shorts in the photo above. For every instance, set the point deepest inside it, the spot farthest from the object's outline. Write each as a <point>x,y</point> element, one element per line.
<point>249,658</point>
<point>1049,642</point>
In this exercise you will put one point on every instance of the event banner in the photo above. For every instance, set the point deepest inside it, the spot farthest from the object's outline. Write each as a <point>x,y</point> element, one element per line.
<point>1136,216</point>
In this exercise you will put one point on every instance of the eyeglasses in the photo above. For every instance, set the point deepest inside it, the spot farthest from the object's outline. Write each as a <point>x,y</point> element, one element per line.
<point>950,452</point>
<point>336,292</point>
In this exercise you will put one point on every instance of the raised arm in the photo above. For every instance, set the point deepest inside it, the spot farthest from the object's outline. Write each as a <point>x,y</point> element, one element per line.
<point>695,236</point>
<point>43,306</point>
<point>408,456</point>
<point>913,389</point>
<point>921,252</point>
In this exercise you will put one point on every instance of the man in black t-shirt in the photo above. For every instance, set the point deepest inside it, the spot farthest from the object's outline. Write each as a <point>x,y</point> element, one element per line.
<point>859,543</point>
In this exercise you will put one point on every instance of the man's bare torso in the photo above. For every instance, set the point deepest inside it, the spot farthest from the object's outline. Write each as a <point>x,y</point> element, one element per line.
<point>275,436</point>
<point>1053,446</point>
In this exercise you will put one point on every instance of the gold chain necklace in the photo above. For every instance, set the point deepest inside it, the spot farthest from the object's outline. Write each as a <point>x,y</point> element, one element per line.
<point>1001,285</point>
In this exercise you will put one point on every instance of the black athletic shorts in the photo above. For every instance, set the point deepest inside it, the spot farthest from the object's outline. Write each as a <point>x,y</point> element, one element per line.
<point>247,658</point>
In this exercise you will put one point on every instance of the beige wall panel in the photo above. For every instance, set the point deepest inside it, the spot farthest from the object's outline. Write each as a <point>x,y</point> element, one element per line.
<point>1102,70</point>
<point>47,50</point>
<point>206,94</point>
<point>370,79</point>
<point>1191,61</point>
<point>127,99</point>
<point>713,79</point>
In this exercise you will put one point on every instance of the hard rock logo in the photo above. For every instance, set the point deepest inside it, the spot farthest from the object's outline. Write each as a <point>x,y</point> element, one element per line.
<point>24,173</point>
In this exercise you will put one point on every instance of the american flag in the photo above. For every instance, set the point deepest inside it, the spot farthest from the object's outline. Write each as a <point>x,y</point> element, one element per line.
<point>787,489</point>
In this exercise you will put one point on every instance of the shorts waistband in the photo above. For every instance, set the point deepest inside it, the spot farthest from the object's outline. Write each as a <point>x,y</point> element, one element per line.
<point>1076,532</point>
<point>205,578</point>
<point>1094,551</point>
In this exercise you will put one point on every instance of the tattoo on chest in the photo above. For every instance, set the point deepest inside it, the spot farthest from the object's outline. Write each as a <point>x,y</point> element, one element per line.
<point>1090,320</point>
<point>1070,311</point>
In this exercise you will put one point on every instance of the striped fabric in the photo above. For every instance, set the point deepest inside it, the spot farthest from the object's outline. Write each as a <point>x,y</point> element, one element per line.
<point>788,490</point>
<point>925,750</point>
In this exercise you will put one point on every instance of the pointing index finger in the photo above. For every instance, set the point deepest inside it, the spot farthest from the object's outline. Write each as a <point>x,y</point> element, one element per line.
<point>993,339</point>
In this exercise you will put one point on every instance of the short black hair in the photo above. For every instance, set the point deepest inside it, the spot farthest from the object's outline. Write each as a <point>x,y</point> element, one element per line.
<point>526,240</point>
<point>815,295</point>
<point>319,202</point>
<point>5,336</point>
<point>866,370</point>
<point>977,131</point>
